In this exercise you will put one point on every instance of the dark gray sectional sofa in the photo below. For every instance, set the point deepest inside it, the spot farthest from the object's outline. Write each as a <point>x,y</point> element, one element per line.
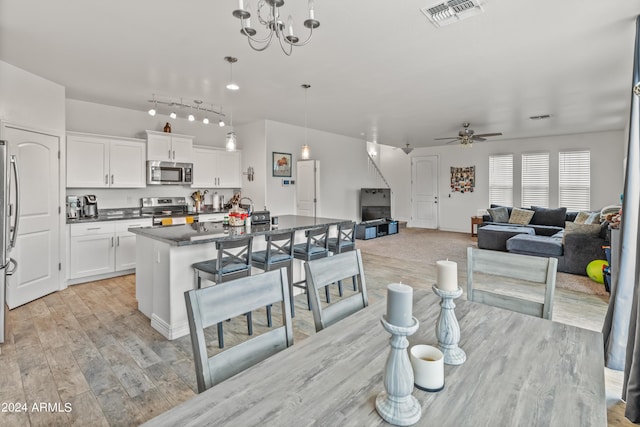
<point>545,236</point>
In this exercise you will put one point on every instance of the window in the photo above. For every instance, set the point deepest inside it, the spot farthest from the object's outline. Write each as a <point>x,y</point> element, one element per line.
<point>575,180</point>
<point>535,179</point>
<point>501,179</point>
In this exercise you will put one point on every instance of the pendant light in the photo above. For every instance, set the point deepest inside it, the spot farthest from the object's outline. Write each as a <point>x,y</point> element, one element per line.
<point>231,137</point>
<point>232,85</point>
<point>306,151</point>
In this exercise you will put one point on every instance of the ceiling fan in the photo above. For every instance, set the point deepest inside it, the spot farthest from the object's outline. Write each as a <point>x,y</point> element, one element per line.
<point>467,136</point>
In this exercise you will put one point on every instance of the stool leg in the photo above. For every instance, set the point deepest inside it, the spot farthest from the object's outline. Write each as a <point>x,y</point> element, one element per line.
<point>220,336</point>
<point>340,287</point>
<point>269,323</point>
<point>326,293</point>
<point>249,323</point>
<point>290,277</point>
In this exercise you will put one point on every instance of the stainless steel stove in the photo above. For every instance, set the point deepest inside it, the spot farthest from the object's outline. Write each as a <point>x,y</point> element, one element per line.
<point>167,210</point>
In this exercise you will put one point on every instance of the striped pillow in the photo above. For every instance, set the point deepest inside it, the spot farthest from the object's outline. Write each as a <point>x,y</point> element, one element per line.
<point>520,216</point>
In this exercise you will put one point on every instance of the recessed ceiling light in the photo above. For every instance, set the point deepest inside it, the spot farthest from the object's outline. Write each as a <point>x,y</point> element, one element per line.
<point>540,117</point>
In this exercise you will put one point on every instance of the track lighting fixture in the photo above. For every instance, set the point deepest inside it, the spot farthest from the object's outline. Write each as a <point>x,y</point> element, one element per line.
<point>176,104</point>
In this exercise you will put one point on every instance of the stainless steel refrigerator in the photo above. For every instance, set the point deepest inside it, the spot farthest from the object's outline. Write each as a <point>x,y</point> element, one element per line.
<point>9,210</point>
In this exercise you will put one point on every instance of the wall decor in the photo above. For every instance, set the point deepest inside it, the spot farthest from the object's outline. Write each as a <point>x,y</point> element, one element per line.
<point>281,164</point>
<point>463,179</point>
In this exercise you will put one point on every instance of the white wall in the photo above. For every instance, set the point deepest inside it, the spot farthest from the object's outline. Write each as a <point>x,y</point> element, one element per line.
<point>252,142</point>
<point>607,152</point>
<point>30,101</point>
<point>343,170</point>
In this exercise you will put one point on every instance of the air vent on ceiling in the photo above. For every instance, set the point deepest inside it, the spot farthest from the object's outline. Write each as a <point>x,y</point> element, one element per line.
<point>452,11</point>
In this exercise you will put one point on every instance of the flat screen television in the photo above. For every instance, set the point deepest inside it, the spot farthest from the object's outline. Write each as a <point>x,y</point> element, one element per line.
<point>375,203</point>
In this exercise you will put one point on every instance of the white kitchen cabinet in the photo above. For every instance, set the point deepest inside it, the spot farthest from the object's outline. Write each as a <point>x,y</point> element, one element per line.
<point>169,147</point>
<point>100,161</point>
<point>103,247</point>
<point>215,168</point>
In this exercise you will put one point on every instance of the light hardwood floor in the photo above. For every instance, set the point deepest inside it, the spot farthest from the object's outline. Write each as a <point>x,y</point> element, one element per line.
<point>89,347</point>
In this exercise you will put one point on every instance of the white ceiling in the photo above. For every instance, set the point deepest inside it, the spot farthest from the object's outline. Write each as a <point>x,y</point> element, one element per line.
<point>379,70</point>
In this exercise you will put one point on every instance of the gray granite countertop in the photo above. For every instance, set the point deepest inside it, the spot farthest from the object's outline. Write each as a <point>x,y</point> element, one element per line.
<point>207,232</point>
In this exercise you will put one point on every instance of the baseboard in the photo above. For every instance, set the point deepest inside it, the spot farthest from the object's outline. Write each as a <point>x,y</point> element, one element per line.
<point>168,331</point>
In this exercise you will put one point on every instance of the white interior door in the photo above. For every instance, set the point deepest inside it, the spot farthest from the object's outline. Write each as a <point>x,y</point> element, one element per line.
<point>38,237</point>
<point>308,187</point>
<point>424,192</point>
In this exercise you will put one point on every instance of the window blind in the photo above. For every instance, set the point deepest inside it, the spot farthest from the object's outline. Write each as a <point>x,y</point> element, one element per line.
<point>501,179</point>
<point>535,179</point>
<point>575,179</point>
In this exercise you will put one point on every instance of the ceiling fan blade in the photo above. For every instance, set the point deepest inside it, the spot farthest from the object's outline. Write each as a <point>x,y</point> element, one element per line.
<point>482,135</point>
<point>448,137</point>
<point>450,142</point>
<point>478,139</point>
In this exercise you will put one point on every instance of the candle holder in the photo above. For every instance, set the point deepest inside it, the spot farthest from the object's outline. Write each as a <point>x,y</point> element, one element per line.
<point>447,327</point>
<point>396,405</point>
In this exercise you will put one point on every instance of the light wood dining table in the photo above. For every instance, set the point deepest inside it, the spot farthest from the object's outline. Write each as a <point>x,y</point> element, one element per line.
<point>520,371</point>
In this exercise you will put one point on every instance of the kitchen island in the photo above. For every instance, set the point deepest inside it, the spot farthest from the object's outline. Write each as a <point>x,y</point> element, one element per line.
<point>165,254</point>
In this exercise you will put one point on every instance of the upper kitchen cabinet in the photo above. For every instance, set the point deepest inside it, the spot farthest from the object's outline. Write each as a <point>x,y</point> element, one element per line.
<point>99,161</point>
<point>169,147</point>
<point>215,168</point>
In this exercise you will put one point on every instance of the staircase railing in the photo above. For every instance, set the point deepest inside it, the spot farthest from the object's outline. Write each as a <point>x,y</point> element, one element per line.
<point>376,172</point>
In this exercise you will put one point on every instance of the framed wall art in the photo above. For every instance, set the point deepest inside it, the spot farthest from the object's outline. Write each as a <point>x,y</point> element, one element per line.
<point>281,164</point>
<point>463,179</point>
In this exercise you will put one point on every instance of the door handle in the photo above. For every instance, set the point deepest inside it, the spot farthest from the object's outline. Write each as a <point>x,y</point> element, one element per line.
<point>10,271</point>
<point>16,224</point>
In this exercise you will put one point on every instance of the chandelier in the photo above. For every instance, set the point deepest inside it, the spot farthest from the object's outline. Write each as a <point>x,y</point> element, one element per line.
<point>268,14</point>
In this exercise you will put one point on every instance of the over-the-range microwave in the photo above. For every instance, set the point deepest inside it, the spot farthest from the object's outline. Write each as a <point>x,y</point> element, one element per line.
<point>169,173</point>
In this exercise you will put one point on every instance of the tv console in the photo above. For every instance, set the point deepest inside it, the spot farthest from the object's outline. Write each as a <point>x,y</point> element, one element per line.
<point>376,228</point>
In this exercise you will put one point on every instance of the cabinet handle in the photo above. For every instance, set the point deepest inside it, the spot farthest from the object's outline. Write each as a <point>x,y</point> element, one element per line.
<point>112,242</point>
<point>118,241</point>
<point>169,154</point>
<point>106,179</point>
<point>111,178</point>
<point>94,228</point>
<point>174,154</point>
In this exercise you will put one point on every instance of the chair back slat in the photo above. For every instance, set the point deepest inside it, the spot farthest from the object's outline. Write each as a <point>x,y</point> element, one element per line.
<point>214,304</point>
<point>246,354</point>
<point>325,271</point>
<point>317,237</point>
<point>347,232</point>
<point>515,266</point>
<point>236,251</point>
<point>279,244</point>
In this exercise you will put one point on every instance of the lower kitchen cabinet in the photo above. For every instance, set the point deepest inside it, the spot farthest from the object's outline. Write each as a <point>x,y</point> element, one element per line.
<point>102,249</point>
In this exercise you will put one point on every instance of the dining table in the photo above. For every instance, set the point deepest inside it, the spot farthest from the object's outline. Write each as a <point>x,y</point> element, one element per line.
<point>519,371</point>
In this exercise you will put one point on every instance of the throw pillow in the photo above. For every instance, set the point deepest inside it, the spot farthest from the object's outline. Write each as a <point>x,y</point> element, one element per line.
<point>520,216</point>
<point>594,218</point>
<point>547,216</point>
<point>582,217</point>
<point>586,229</point>
<point>500,214</point>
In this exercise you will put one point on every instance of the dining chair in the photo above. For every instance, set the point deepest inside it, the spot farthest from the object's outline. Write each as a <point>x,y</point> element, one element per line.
<point>214,304</point>
<point>522,267</point>
<point>315,247</point>
<point>279,253</point>
<point>233,261</point>
<point>344,241</point>
<point>322,272</point>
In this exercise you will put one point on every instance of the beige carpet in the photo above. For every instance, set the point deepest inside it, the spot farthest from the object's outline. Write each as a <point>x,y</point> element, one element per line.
<point>428,246</point>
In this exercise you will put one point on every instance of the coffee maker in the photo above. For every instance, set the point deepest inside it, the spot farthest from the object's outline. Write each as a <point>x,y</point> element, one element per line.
<point>89,206</point>
<point>73,207</point>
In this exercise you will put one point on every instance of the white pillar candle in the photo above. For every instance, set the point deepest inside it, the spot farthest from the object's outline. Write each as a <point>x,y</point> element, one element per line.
<point>447,275</point>
<point>399,304</point>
